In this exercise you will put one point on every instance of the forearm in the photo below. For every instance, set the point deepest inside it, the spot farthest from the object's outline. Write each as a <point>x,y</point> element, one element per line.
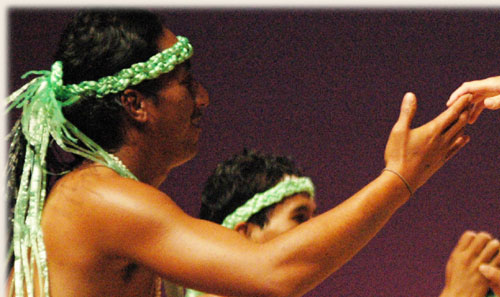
<point>312,251</point>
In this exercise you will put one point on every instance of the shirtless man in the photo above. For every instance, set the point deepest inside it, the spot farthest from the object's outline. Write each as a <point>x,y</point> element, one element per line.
<point>284,199</point>
<point>108,231</point>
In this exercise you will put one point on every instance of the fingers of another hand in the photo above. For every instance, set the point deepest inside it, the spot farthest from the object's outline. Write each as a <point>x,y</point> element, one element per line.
<point>475,87</point>
<point>479,242</point>
<point>456,129</point>
<point>492,102</point>
<point>451,115</point>
<point>489,251</point>
<point>476,111</point>
<point>465,88</point>
<point>491,273</point>
<point>496,260</point>
<point>465,240</point>
<point>459,143</point>
<point>454,133</point>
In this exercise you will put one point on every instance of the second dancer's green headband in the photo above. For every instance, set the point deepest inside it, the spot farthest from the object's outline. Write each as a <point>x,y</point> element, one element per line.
<point>42,101</point>
<point>290,185</point>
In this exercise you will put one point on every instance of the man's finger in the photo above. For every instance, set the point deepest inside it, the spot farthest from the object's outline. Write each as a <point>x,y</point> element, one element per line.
<point>408,110</point>
<point>450,116</point>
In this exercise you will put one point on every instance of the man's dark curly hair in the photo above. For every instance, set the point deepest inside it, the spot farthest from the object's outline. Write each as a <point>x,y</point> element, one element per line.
<point>238,179</point>
<point>96,43</point>
<point>99,43</point>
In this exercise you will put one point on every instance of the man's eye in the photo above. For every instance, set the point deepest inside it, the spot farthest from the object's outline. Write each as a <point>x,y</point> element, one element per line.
<point>190,84</point>
<point>187,80</point>
<point>301,218</point>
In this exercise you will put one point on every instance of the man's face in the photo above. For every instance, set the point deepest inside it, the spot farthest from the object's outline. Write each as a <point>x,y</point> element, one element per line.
<point>288,214</point>
<point>176,119</point>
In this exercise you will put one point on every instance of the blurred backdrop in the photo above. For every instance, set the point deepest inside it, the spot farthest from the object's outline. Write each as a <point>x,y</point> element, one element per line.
<point>325,86</point>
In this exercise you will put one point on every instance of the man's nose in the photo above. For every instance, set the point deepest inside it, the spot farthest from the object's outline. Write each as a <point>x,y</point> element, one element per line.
<point>202,97</point>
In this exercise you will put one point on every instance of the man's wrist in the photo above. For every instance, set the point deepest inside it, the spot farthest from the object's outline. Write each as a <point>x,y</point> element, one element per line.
<point>403,179</point>
<point>395,184</point>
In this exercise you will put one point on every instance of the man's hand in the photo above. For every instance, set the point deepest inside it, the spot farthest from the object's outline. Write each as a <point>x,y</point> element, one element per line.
<point>418,153</point>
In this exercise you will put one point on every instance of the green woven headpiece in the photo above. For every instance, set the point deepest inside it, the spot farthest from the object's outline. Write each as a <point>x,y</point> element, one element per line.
<point>42,100</point>
<point>289,186</point>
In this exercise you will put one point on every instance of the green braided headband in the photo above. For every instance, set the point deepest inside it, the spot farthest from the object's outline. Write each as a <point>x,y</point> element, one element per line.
<point>42,100</point>
<point>158,64</point>
<point>287,187</point>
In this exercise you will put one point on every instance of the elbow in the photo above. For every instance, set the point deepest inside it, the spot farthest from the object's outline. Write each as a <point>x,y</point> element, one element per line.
<point>279,288</point>
<point>279,276</point>
<point>264,284</point>
<point>275,291</point>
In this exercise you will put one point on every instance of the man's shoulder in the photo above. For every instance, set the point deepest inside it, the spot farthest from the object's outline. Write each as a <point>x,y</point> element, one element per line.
<point>96,180</point>
<point>99,192</point>
<point>98,204</point>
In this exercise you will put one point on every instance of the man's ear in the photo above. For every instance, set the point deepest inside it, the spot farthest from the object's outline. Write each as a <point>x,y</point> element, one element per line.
<point>134,104</point>
<point>242,228</point>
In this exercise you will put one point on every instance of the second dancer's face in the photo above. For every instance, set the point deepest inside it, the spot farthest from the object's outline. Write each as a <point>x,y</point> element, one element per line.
<point>288,214</point>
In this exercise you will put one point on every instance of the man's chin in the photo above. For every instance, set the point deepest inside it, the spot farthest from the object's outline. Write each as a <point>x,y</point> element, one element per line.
<point>189,153</point>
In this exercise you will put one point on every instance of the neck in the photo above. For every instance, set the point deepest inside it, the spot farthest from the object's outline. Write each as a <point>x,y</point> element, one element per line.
<point>151,158</point>
<point>143,165</point>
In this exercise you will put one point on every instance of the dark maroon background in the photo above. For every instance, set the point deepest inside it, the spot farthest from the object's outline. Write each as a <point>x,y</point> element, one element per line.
<point>325,86</point>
